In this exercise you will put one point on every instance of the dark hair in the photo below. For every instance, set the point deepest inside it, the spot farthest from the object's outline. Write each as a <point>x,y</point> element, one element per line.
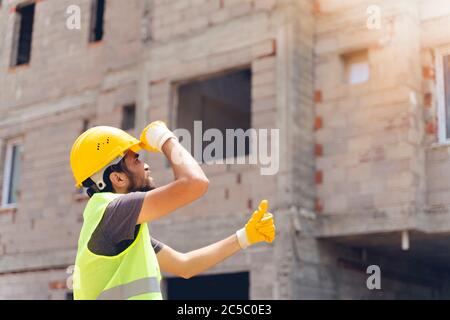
<point>93,188</point>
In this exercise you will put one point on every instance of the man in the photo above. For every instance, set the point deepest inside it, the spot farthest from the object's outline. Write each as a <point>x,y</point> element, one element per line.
<point>117,258</point>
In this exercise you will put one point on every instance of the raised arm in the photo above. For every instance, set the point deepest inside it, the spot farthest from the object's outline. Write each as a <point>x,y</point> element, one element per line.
<point>190,181</point>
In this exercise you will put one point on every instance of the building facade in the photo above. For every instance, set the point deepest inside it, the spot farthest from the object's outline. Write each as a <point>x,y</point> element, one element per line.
<point>359,91</point>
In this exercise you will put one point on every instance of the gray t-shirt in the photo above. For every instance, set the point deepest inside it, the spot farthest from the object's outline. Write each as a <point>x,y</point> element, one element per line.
<point>117,229</point>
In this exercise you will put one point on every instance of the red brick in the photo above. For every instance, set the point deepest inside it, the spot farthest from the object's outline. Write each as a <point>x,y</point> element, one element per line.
<point>428,73</point>
<point>318,206</point>
<point>430,127</point>
<point>427,100</point>
<point>318,96</point>
<point>319,177</point>
<point>316,7</point>
<point>318,150</point>
<point>318,123</point>
<point>57,285</point>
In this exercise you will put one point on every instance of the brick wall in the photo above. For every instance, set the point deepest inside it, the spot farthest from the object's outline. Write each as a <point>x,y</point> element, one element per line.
<point>347,152</point>
<point>368,132</point>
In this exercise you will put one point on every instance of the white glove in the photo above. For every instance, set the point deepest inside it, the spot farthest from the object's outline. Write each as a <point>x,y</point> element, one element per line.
<point>155,135</point>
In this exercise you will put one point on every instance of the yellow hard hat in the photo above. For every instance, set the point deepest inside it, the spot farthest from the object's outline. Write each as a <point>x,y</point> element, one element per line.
<point>96,148</point>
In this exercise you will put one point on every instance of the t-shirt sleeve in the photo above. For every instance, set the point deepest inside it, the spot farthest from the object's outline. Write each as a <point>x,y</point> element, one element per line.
<point>157,245</point>
<point>120,217</point>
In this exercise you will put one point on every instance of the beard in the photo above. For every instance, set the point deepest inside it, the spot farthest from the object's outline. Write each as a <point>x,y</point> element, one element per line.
<point>136,185</point>
<point>148,186</point>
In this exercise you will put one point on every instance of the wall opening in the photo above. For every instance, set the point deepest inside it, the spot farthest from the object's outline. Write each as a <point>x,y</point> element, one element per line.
<point>219,102</point>
<point>230,286</point>
<point>356,67</point>
<point>97,19</point>
<point>128,117</point>
<point>23,34</point>
<point>12,173</point>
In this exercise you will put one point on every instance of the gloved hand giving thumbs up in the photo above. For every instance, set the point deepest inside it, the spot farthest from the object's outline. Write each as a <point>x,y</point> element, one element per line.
<point>259,228</point>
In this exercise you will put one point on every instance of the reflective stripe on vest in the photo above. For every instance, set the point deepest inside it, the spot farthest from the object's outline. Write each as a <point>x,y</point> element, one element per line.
<point>135,288</point>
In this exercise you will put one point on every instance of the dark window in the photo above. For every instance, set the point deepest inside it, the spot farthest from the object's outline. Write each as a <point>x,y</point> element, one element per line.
<point>23,34</point>
<point>97,15</point>
<point>221,102</point>
<point>69,295</point>
<point>128,117</point>
<point>14,179</point>
<point>86,125</point>
<point>232,286</point>
<point>15,160</point>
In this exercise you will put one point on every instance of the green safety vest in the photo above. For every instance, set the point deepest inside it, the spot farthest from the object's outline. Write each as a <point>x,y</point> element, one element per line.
<point>132,274</point>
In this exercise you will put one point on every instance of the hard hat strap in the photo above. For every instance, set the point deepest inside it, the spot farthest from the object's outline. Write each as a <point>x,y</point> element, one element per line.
<point>98,176</point>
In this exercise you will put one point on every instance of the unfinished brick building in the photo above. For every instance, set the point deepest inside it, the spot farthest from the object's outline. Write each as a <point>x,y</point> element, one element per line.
<point>362,107</point>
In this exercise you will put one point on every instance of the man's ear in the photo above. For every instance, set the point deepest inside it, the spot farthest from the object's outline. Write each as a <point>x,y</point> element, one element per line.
<point>118,179</point>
